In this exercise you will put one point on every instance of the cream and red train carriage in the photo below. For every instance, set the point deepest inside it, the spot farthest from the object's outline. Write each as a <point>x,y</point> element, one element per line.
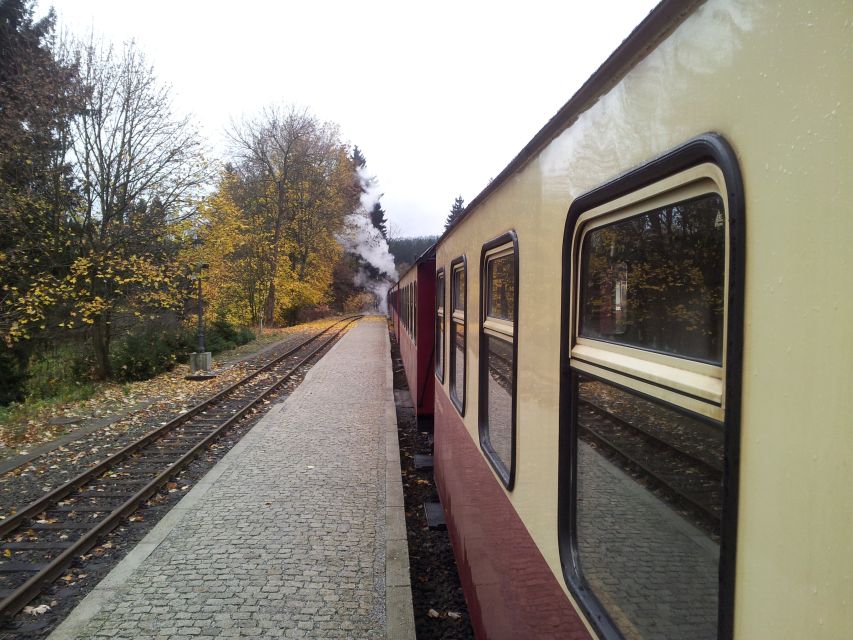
<point>643,364</point>
<point>412,308</point>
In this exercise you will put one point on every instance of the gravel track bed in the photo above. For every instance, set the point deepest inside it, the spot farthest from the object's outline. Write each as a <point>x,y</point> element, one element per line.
<point>66,592</point>
<point>27,483</point>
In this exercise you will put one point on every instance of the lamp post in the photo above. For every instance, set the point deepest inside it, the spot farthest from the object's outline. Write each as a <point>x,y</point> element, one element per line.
<point>201,267</point>
<point>201,360</point>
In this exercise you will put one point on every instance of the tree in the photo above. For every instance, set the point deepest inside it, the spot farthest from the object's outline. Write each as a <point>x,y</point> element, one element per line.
<point>38,96</point>
<point>456,212</point>
<point>291,159</point>
<point>407,250</point>
<point>137,169</point>
<point>357,157</point>
<point>377,219</point>
<point>293,182</point>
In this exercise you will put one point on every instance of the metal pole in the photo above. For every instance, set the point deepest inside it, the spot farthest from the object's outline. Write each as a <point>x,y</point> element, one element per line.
<point>200,316</point>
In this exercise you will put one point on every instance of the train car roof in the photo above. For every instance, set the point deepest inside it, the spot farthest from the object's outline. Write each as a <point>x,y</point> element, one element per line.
<point>660,22</point>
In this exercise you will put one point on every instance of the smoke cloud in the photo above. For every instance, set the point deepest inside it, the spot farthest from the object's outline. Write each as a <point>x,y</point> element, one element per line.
<point>363,239</point>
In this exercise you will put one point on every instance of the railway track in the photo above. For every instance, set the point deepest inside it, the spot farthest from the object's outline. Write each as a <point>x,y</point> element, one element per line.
<point>43,538</point>
<point>682,478</point>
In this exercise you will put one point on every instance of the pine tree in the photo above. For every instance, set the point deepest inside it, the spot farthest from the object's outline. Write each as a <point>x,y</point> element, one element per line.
<point>456,212</point>
<point>377,218</point>
<point>358,158</point>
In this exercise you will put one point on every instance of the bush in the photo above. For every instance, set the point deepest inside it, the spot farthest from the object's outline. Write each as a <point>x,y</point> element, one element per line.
<point>63,372</point>
<point>150,350</point>
<point>12,378</point>
<point>219,335</point>
<point>146,352</point>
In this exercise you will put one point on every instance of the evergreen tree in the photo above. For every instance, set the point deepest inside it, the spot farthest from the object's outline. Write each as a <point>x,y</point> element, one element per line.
<point>377,218</point>
<point>456,212</point>
<point>358,158</point>
<point>38,98</point>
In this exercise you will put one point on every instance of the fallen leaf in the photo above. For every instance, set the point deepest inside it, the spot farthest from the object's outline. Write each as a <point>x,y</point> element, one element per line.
<point>36,611</point>
<point>454,615</point>
<point>432,613</point>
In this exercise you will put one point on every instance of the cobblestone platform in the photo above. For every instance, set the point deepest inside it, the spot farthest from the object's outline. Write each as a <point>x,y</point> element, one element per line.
<point>297,533</point>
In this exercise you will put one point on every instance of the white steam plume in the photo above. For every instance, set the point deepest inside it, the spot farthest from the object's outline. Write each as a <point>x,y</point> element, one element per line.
<point>362,238</point>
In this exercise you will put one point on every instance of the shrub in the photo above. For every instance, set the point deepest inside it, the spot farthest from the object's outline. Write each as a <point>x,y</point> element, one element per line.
<point>219,335</point>
<point>12,378</point>
<point>63,372</point>
<point>146,352</point>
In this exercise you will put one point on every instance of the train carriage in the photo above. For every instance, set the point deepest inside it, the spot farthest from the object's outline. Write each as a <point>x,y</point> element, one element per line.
<point>412,317</point>
<point>642,360</point>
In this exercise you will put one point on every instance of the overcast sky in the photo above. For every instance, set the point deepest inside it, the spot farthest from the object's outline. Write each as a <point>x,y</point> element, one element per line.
<point>439,96</point>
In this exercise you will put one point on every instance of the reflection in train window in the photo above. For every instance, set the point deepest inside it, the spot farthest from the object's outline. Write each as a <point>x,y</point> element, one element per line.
<point>501,287</point>
<point>457,335</point>
<point>459,289</point>
<point>649,501</point>
<point>497,349</point>
<point>648,401</point>
<point>655,280</point>
<point>439,325</point>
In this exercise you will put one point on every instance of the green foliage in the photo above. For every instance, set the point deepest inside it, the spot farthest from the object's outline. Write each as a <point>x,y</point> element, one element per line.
<point>12,378</point>
<point>219,335</point>
<point>406,250</point>
<point>147,352</point>
<point>62,373</point>
<point>456,212</point>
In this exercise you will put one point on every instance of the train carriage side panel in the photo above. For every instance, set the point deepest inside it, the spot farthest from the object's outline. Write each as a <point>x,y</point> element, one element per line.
<point>426,337</point>
<point>774,82</point>
<point>408,337</point>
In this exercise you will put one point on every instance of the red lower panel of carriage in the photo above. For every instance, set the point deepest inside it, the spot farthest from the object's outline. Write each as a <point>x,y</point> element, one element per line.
<point>509,588</point>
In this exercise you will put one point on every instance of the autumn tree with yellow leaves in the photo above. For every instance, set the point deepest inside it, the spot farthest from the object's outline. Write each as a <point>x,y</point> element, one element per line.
<point>270,228</point>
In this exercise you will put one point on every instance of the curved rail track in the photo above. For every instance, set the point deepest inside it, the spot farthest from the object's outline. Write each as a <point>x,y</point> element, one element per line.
<point>46,536</point>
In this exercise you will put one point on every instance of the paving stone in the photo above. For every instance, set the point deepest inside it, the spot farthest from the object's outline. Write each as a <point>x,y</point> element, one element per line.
<point>289,541</point>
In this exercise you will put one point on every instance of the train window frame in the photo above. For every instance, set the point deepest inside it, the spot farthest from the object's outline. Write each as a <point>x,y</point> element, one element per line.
<point>458,317</point>
<point>688,383</point>
<point>440,294</point>
<point>708,156</point>
<point>502,246</point>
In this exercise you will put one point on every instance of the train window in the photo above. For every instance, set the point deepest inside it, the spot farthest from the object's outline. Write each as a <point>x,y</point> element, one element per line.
<point>439,325</point>
<point>655,280</point>
<point>457,334</point>
<point>415,312</point>
<point>499,302</point>
<point>649,473</point>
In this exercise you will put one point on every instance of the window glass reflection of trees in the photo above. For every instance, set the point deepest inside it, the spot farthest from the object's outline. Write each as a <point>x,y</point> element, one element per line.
<point>656,280</point>
<point>501,287</point>
<point>459,290</point>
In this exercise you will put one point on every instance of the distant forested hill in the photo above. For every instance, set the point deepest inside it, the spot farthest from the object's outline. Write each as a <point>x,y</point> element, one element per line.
<point>406,250</point>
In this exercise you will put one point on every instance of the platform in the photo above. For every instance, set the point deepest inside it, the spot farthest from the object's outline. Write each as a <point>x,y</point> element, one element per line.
<point>298,532</point>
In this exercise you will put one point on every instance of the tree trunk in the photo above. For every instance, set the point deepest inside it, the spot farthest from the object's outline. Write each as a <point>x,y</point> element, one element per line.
<point>269,306</point>
<point>101,345</point>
